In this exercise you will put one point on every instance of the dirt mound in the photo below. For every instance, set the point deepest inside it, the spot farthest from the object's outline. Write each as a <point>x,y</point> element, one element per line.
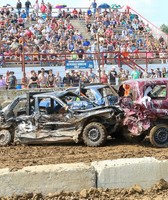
<point>157,192</point>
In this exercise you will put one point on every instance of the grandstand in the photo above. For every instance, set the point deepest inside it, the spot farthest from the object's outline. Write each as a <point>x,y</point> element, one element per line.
<point>120,37</point>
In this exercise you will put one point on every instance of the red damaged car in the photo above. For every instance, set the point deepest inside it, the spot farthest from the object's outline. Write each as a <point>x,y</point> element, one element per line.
<point>145,102</point>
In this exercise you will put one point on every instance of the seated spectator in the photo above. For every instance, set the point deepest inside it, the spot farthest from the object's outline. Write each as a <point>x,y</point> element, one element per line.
<point>74,55</point>
<point>109,32</point>
<point>70,26</point>
<point>162,55</point>
<point>89,55</point>
<point>149,55</point>
<point>33,16</point>
<point>70,46</point>
<point>14,45</point>
<point>74,13</point>
<point>68,13</point>
<point>86,43</point>
<point>89,12</point>
<point>60,13</point>
<point>20,21</point>
<point>80,52</point>
<point>36,51</point>
<point>23,14</point>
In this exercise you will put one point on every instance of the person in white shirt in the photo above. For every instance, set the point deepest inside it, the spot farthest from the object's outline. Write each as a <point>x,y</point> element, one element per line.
<point>43,78</point>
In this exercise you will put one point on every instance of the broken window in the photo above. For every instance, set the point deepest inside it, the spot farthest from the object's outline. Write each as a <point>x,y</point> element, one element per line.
<point>20,107</point>
<point>48,106</point>
<point>157,92</point>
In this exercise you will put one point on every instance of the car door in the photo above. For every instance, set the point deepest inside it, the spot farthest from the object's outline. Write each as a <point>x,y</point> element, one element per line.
<point>55,120</point>
<point>158,99</point>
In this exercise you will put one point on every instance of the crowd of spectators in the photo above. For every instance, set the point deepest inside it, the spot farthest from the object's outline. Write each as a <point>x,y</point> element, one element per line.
<point>47,79</point>
<point>134,37</point>
<point>40,32</point>
<point>42,36</point>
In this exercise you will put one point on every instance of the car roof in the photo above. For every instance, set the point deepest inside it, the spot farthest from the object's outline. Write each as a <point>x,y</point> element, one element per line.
<point>57,94</point>
<point>145,80</point>
<point>93,86</point>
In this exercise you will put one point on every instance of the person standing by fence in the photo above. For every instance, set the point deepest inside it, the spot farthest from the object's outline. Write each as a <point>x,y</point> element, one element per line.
<point>94,6</point>
<point>19,7</point>
<point>12,81</point>
<point>36,7</point>
<point>27,6</point>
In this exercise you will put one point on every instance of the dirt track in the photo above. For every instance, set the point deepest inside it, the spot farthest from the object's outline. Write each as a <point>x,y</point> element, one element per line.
<point>16,157</point>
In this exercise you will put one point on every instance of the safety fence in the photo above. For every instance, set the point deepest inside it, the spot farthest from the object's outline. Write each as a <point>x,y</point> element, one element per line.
<point>131,59</point>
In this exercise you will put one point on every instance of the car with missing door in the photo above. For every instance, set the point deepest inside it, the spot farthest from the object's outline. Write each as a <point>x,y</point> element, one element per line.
<point>37,118</point>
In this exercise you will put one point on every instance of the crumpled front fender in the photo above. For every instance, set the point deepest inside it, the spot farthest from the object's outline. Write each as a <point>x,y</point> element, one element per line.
<point>136,126</point>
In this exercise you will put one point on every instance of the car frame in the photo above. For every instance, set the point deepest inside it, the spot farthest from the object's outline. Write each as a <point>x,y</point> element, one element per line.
<point>99,93</point>
<point>145,103</point>
<point>38,125</point>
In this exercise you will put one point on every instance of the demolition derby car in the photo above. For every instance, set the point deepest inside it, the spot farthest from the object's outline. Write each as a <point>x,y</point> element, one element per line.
<point>57,116</point>
<point>101,94</point>
<point>145,103</point>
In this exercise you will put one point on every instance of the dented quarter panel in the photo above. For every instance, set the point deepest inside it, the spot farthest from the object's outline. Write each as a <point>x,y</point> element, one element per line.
<point>141,111</point>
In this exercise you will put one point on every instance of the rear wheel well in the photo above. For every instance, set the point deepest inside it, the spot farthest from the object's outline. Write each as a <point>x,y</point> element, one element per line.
<point>93,119</point>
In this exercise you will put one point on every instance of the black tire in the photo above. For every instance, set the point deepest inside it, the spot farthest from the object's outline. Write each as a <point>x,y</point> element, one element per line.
<point>5,138</point>
<point>159,136</point>
<point>94,134</point>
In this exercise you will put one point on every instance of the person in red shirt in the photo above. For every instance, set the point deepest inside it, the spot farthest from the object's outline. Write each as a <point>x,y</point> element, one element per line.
<point>28,33</point>
<point>109,32</point>
<point>43,8</point>
<point>104,77</point>
<point>75,13</point>
<point>70,26</point>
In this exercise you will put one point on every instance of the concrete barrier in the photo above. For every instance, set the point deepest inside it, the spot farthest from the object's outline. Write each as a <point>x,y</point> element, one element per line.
<point>121,173</point>
<point>47,179</point>
<point>124,173</point>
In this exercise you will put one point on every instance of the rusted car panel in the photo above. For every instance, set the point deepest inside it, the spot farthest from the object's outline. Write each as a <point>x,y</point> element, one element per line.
<point>58,121</point>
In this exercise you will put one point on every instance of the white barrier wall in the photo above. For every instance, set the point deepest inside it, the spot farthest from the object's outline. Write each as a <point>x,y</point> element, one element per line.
<point>47,179</point>
<point>124,173</point>
<point>121,173</point>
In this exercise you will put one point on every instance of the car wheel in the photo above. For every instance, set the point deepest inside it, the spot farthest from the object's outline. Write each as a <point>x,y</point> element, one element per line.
<point>5,138</point>
<point>159,136</point>
<point>94,134</point>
